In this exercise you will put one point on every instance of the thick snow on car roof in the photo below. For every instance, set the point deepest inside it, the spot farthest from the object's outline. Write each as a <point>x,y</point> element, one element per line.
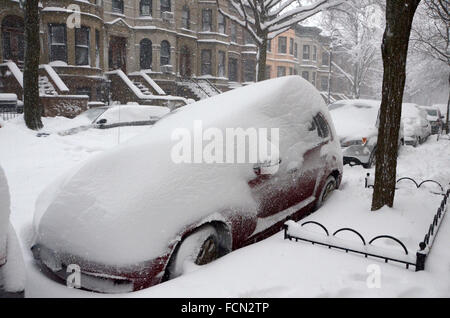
<point>124,206</point>
<point>410,110</point>
<point>355,119</point>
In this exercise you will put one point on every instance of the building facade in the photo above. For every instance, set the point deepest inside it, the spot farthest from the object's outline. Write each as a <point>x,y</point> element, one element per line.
<point>173,42</point>
<point>304,51</point>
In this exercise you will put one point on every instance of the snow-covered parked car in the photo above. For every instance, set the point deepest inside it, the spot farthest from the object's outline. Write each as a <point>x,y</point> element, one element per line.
<point>435,118</point>
<point>136,215</point>
<point>356,122</point>
<point>115,116</point>
<point>417,127</point>
<point>12,267</point>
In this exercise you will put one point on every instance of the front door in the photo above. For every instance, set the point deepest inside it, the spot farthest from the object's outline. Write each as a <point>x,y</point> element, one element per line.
<point>13,39</point>
<point>185,62</point>
<point>118,53</point>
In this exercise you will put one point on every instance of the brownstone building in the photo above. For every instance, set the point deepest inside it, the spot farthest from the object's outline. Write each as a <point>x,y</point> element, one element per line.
<point>139,50</point>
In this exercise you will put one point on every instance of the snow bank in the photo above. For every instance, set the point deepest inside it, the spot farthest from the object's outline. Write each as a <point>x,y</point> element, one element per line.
<point>125,205</point>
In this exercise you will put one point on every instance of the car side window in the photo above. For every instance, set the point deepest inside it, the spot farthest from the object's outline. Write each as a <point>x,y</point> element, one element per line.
<point>324,130</point>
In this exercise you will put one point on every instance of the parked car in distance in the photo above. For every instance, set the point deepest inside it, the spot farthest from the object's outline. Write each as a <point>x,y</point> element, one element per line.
<point>12,268</point>
<point>356,122</point>
<point>132,216</point>
<point>115,116</point>
<point>435,117</point>
<point>417,127</point>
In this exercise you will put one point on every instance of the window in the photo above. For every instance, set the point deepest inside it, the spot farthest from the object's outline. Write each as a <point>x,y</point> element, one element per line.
<point>315,53</point>
<point>306,52</point>
<point>146,7</point>
<point>117,6</point>
<point>186,18</point>
<point>206,20</point>
<point>233,69</point>
<point>82,46</point>
<point>146,54</point>
<point>325,58</point>
<point>222,23</point>
<point>314,78</point>
<point>295,50</point>
<point>206,62</point>
<point>97,48</point>
<point>233,32</point>
<point>58,42</point>
<point>291,71</point>
<point>268,71</point>
<point>249,70</point>
<point>166,6</point>
<point>324,83</point>
<point>305,75</point>
<point>324,130</point>
<point>13,38</point>
<point>282,44</point>
<point>281,71</point>
<point>221,70</point>
<point>291,46</point>
<point>269,45</point>
<point>84,91</point>
<point>248,38</point>
<point>165,53</point>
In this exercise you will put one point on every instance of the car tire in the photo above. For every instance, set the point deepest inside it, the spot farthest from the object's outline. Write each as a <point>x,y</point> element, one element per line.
<point>328,188</point>
<point>199,248</point>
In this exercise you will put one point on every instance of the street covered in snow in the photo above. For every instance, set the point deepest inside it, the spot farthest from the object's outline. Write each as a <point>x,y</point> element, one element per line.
<point>273,267</point>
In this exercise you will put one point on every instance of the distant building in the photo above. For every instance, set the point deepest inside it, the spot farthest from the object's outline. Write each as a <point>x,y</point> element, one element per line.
<point>304,51</point>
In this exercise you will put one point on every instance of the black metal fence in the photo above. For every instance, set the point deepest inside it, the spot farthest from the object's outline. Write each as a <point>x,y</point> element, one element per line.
<point>7,113</point>
<point>424,246</point>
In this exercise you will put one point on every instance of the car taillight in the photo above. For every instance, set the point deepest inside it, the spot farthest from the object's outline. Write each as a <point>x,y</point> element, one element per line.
<point>364,141</point>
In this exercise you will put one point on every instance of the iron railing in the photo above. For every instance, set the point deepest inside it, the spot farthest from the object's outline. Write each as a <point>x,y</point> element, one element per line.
<point>424,246</point>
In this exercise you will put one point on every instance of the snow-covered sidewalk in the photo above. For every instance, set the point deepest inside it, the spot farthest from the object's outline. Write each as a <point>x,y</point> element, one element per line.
<point>273,267</point>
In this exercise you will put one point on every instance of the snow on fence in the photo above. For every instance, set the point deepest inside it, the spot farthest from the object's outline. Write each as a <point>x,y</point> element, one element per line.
<point>296,232</point>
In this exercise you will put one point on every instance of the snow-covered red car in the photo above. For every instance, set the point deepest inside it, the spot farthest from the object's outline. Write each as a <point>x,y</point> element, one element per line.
<point>12,268</point>
<point>133,217</point>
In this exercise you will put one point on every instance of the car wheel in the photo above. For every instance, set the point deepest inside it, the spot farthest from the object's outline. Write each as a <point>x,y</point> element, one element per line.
<point>199,248</point>
<point>328,188</point>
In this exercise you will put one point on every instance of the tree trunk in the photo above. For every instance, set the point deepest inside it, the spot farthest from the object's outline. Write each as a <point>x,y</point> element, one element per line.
<point>262,56</point>
<point>399,17</point>
<point>32,108</point>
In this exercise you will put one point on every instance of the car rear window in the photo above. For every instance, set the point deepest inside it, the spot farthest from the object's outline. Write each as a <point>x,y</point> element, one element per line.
<point>324,130</point>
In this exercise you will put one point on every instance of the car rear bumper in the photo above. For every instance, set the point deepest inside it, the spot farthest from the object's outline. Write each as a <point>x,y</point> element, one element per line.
<point>356,155</point>
<point>95,277</point>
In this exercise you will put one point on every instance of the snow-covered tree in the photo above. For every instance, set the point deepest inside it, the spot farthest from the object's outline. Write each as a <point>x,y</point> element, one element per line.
<point>356,39</point>
<point>265,19</point>
<point>429,74</point>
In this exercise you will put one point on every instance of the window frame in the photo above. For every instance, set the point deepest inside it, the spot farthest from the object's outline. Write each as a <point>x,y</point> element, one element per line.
<point>186,17</point>
<point>207,23</point>
<point>221,68</point>
<point>82,47</point>
<point>119,8</point>
<point>206,65</point>
<point>144,3</point>
<point>52,44</point>
<point>282,48</point>
<point>221,23</point>
<point>306,52</point>
<point>162,56</point>
<point>142,44</point>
